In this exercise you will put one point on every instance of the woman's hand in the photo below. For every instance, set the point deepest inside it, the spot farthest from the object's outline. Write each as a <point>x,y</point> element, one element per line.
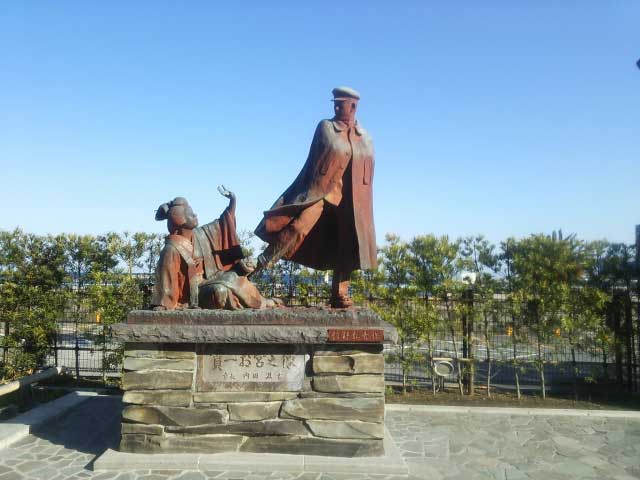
<point>226,193</point>
<point>230,195</point>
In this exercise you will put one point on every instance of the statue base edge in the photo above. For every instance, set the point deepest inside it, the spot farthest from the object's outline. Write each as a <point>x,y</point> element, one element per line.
<point>391,463</point>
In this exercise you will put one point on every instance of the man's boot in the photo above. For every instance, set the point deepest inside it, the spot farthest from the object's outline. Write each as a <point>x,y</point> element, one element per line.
<point>340,290</point>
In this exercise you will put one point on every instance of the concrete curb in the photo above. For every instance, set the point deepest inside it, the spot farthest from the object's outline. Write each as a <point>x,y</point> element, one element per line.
<point>391,463</point>
<point>17,428</point>
<point>549,412</point>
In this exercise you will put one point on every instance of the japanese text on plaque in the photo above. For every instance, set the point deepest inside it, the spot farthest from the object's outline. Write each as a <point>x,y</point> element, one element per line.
<point>253,368</point>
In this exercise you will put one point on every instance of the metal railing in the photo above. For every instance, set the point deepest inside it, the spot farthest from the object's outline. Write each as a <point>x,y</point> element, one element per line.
<point>83,345</point>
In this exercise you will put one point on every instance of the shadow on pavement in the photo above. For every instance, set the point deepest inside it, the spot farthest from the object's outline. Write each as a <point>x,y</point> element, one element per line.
<point>91,427</point>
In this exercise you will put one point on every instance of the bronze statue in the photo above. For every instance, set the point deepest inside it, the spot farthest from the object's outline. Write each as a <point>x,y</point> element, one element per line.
<point>202,267</point>
<point>324,220</point>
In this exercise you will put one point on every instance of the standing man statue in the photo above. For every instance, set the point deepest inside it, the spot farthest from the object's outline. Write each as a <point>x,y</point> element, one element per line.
<point>324,220</point>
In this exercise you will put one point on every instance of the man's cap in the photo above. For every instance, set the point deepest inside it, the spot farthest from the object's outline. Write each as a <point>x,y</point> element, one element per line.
<point>342,93</point>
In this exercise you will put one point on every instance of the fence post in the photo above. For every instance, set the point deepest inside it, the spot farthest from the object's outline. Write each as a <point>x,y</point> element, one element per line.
<point>467,342</point>
<point>104,353</point>
<point>77,351</point>
<point>55,346</point>
<point>5,352</point>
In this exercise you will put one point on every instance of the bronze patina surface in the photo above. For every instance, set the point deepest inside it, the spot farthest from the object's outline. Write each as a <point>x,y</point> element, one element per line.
<point>202,267</point>
<point>324,220</point>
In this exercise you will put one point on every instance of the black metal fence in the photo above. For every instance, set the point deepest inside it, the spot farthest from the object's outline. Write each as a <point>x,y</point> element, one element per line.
<point>85,347</point>
<point>503,347</point>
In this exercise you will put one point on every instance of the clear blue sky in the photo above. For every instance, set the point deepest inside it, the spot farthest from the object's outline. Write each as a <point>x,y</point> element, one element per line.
<point>503,118</point>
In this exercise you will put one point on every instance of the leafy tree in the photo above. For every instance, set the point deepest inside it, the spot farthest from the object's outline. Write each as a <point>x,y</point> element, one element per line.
<point>112,296</point>
<point>128,248</point>
<point>492,308</point>
<point>581,321</point>
<point>613,272</point>
<point>413,320</point>
<point>246,241</point>
<point>599,271</point>
<point>368,285</point>
<point>153,244</point>
<point>477,258</point>
<point>85,254</point>
<point>506,274</point>
<point>546,268</point>
<point>288,272</point>
<point>433,269</point>
<point>396,262</point>
<point>544,285</point>
<point>31,274</point>
<point>312,287</point>
<point>433,262</point>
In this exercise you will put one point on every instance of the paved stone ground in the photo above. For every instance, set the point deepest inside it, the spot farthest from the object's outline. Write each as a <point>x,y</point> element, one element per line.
<point>512,447</point>
<point>435,445</point>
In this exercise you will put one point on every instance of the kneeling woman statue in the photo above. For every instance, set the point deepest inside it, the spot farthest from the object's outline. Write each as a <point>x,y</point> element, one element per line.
<point>202,267</point>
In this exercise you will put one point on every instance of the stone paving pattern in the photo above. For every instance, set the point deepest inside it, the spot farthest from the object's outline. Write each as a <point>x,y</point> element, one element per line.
<point>435,446</point>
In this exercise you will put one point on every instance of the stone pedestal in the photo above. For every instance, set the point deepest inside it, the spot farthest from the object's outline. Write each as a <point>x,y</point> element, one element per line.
<point>300,381</point>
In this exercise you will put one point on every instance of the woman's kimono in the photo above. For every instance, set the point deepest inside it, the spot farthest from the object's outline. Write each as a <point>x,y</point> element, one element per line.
<point>205,272</point>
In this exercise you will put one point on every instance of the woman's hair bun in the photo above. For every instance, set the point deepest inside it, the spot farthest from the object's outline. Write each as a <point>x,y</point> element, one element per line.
<point>162,212</point>
<point>179,202</point>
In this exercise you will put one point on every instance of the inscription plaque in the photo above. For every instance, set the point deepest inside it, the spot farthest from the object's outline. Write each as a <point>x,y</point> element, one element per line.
<point>354,335</point>
<point>247,368</point>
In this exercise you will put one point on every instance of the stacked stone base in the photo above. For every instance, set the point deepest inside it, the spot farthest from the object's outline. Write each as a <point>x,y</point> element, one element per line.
<point>329,400</point>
